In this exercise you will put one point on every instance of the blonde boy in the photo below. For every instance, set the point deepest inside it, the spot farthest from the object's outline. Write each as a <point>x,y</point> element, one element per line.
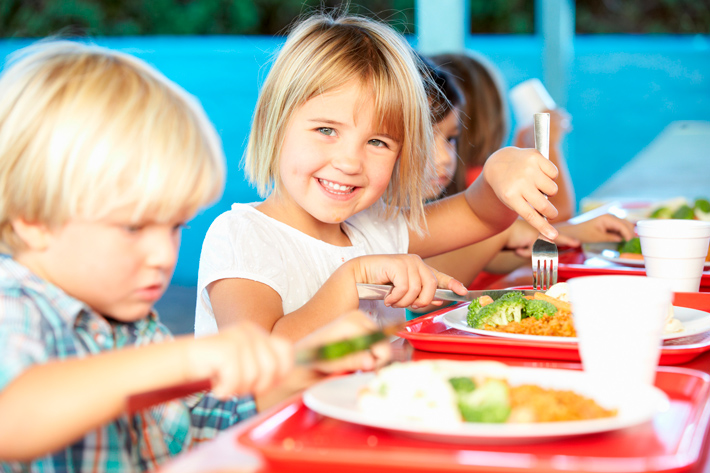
<point>102,160</point>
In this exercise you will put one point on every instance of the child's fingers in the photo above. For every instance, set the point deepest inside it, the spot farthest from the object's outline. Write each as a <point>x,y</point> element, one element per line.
<point>565,240</point>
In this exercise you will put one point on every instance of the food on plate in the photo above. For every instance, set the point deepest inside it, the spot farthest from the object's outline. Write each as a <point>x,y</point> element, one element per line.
<point>450,392</point>
<point>543,314</point>
<point>631,249</point>
<point>682,209</point>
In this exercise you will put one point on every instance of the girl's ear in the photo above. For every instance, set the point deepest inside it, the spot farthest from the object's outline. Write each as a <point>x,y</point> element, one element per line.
<point>35,235</point>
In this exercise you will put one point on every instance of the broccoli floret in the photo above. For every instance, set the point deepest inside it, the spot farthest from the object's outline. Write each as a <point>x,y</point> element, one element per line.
<point>462,385</point>
<point>489,402</point>
<point>516,296</point>
<point>537,308</point>
<point>662,212</point>
<point>499,312</point>
<point>702,204</point>
<point>473,309</point>
<point>683,212</point>
<point>631,246</point>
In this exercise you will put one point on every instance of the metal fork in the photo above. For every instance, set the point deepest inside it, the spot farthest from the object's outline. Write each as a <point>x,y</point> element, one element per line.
<point>544,252</point>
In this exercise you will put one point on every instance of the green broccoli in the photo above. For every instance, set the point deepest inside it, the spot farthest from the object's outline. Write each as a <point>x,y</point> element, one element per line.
<point>702,205</point>
<point>489,402</point>
<point>631,246</point>
<point>506,309</point>
<point>662,212</point>
<point>683,212</point>
<point>537,308</point>
<point>462,385</point>
<point>473,308</point>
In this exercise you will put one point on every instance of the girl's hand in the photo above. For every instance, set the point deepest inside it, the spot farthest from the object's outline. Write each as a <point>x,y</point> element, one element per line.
<point>605,227</point>
<point>521,179</point>
<point>348,325</point>
<point>415,282</point>
<point>522,236</point>
<point>560,125</point>
<point>242,358</point>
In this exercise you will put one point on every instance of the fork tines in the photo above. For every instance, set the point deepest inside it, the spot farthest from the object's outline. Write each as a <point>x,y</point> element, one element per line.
<point>544,264</point>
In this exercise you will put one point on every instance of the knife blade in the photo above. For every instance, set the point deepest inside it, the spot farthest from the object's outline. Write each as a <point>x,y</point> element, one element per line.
<point>380,291</point>
<point>303,356</point>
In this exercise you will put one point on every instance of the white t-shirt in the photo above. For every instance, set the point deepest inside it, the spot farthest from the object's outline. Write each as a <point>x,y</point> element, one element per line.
<point>245,243</point>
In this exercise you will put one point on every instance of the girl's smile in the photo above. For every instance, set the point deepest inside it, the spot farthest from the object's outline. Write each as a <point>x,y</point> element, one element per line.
<point>335,161</point>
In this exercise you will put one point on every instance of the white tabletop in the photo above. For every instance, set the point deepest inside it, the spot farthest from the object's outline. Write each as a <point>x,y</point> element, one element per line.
<point>675,164</point>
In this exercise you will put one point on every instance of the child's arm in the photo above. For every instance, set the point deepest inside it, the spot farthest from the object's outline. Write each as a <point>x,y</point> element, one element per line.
<point>51,405</point>
<point>513,180</point>
<point>564,200</point>
<point>414,283</point>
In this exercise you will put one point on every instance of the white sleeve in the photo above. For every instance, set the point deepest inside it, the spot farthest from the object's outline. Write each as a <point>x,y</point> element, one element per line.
<point>236,246</point>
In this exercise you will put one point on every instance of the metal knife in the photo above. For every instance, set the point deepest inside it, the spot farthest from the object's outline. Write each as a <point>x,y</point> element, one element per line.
<point>380,291</point>
<point>304,357</point>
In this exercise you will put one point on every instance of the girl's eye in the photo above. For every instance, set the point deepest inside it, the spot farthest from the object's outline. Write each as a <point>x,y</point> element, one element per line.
<point>133,228</point>
<point>378,143</point>
<point>326,131</point>
<point>453,140</point>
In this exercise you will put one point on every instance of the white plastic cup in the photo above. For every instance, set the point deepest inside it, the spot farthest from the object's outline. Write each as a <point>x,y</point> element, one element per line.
<point>619,322</point>
<point>527,99</point>
<point>675,250</point>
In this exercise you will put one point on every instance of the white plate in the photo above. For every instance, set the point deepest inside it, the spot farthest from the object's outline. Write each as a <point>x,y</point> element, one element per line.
<point>337,398</point>
<point>607,251</point>
<point>694,322</point>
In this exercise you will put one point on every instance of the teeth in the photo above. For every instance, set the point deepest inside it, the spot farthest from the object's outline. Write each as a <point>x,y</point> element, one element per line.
<point>336,187</point>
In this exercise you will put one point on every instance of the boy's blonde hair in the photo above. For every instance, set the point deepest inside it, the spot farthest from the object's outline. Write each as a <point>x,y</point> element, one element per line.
<point>323,53</point>
<point>85,130</point>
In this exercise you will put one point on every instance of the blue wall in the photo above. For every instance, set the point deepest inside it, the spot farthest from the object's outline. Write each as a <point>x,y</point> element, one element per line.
<point>624,91</point>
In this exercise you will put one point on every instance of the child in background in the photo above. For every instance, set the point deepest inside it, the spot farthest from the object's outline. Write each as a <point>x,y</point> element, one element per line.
<point>485,126</point>
<point>341,145</point>
<point>102,161</point>
<point>448,104</point>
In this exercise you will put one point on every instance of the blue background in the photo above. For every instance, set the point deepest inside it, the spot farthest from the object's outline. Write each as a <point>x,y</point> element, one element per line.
<point>623,91</point>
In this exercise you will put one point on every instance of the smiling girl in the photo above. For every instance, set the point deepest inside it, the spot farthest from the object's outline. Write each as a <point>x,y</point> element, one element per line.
<point>341,146</point>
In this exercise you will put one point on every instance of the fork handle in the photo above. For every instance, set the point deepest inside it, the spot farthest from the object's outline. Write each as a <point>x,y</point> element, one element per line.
<point>541,125</point>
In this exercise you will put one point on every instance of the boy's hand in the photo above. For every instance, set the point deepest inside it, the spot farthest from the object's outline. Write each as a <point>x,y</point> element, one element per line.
<point>521,179</point>
<point>242,358</point>
<point>346,326</point>
<point>415,282</point>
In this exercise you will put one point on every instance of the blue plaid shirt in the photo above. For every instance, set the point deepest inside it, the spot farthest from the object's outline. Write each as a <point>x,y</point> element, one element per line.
<point>39,323</point>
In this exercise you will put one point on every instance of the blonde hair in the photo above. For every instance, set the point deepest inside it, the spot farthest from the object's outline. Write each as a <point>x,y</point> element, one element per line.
<point>85,130</point>
<point>485,123</point>
<point>323,53</point>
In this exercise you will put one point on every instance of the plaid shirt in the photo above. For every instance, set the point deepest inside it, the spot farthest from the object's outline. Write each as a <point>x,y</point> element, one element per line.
<point>39,322</point>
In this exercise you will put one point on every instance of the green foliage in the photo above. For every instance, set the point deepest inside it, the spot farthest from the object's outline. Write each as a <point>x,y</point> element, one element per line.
<point>39,18</point>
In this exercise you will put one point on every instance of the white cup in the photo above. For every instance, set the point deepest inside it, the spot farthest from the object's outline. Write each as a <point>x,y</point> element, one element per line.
<point>619,322</point>
<point>527,99</point>
<point>675,250</point>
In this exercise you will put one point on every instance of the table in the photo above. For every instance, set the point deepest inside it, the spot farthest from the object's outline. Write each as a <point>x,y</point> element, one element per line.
<point>224,454</point>
<point>674,164</point>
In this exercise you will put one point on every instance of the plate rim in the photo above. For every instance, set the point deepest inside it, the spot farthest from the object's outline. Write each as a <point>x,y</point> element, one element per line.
<point>478,432</point>
<point>447,318</point>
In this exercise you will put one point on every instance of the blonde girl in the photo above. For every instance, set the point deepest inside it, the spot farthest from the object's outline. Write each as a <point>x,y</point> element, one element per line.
<point>341,147</point>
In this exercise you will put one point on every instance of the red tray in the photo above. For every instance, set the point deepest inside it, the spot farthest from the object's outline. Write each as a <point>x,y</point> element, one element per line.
<point>296,439</point>
<point>573,264</point>
<point>430,333</point>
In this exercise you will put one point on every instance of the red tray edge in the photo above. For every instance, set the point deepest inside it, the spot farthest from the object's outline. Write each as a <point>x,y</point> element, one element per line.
<point>666,463</point>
